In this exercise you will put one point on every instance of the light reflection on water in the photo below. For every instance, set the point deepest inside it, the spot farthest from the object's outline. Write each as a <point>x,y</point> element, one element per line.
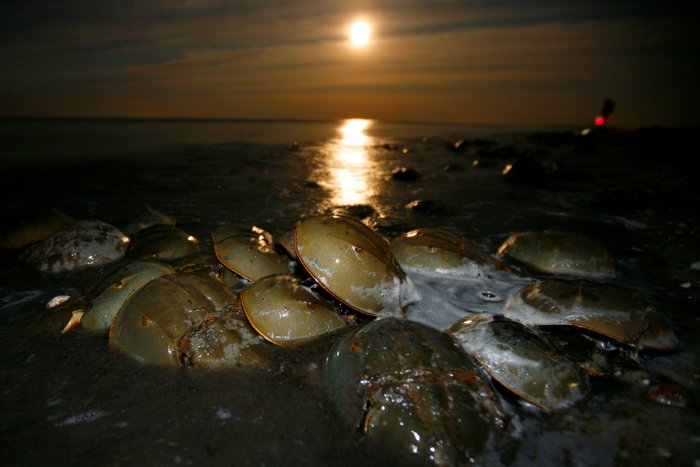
<point>348,171</point>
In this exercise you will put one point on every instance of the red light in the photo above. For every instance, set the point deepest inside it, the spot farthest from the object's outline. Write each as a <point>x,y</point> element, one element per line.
<point>599,121</point>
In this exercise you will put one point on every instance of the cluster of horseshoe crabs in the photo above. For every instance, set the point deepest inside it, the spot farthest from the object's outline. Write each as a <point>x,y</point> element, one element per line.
<point>425,391</point>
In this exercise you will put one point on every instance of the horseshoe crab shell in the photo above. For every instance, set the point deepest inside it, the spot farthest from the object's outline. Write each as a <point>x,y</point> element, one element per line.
<point>286,242</point>
<point>411,392</point>
<point>148,218</point>
<point>284,311</point>
<point>106,305</point>
<point>163,242</point>
<point>522,361</point>
<point>32,228</point>
<point>222,340</point>
<point>559,253</point>
<point>354,264</point>
<point>618,313</point>
<point>79,245</point>
<point>440,252</point>
<point>158,322</point>
<point>250,254</point>
<point>453,275</point>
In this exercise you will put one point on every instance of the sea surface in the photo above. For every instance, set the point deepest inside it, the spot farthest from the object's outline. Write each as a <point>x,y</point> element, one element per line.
<point>69,399</point>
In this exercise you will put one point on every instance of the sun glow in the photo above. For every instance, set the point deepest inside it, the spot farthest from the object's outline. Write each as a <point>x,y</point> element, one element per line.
<point>349,171</point>
<point>353,132</point>
<point>360,33</point>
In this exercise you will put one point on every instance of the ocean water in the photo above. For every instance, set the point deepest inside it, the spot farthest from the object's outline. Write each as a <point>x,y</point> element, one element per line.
<point>70,400</point>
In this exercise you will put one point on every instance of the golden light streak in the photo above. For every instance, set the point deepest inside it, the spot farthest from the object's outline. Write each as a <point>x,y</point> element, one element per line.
<point>348,164</point>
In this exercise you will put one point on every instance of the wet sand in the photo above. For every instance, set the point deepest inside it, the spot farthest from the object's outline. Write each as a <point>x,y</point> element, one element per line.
<point>70,400</point>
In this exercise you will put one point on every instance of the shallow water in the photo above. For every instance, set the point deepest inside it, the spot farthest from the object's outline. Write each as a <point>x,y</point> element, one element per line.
<point>70,400</point>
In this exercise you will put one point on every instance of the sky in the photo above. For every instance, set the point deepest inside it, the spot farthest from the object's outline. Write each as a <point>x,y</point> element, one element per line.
<point>530,62</point>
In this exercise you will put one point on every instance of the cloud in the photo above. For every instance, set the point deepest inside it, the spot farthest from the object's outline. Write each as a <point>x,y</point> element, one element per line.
<point>241,58</point>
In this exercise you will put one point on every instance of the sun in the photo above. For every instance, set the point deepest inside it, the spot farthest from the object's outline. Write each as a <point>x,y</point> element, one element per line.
<point>360,32</point>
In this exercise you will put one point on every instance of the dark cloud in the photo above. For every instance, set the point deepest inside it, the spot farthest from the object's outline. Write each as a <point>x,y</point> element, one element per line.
<point>141,57</point>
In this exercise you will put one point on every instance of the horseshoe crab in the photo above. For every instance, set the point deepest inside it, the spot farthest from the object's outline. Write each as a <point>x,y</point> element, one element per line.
<point>442,253</point>
<point>522,361</point>
<point>453,275</point>
<point>284,311</point>
<point>600,359</point>
<point>250,256</point>
<point>32,228</point>
<point>162,242</point>
<point>126,280</point>
<point>148,218</point>
<point>354,264</point>
<point>286,242</point>
<point>621,314</point>
<point>79,245</point>
<point>182,318</point>
<point>410,391</point>
<point>557,252</point>
<point>222,340</point>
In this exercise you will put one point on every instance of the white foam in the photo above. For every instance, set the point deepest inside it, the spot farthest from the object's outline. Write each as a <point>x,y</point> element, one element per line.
<point>443,300</point>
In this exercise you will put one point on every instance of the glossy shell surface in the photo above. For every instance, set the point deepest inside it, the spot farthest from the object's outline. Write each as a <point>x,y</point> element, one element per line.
<point>522,361</point>
<point>163,242</point>
<point>284,311</point>
<point>440,252</point>
<point>559,253</point>
<point>148,218</point>
<point>166,322</point>
<point>353,263</point>
<point>286,242</point>
<point>79,245</point>
<point>249,253</point>
<point>107,304</point>
<point>411,392</point>
<point>616,312</point>
<point>222,340</point>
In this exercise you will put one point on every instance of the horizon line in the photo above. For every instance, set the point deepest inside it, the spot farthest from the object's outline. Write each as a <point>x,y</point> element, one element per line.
<point>270,120</point>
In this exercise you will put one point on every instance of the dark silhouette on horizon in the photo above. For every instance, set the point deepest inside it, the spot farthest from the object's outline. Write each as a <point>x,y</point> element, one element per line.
<point>608,107</point>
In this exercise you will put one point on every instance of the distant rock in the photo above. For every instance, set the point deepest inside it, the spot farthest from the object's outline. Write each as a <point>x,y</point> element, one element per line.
<point>462,145</point>
<point>405,174</point>
<point>429,207</point>
<point>358,211</point>
<point>498,152</point>
<point>452,167</point>
<point>458,146</point>
<point>529,167</point>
